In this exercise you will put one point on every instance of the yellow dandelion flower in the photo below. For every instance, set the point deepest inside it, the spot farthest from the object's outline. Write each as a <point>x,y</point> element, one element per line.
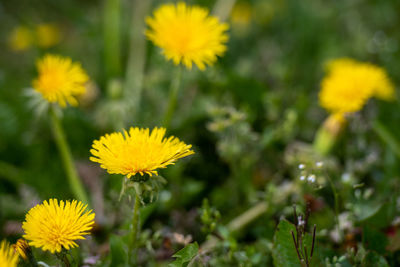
<point>47,35</point>
<point>187,34</point>
<point>349,84</point>
<point>56,225</point>
<point>8,258</point>
<point>22,248</point>
<point>241,13</point>
<point>20,39</point>
<point>60,80</point>
<point>138,151</point>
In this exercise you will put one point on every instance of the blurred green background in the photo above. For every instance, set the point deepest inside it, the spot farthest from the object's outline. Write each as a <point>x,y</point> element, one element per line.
<point>251,117</point>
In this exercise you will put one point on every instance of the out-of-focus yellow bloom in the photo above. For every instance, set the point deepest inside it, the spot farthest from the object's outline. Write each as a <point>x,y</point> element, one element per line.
<point>349,84</point>
<point>241,13</point>
<point>22,248</point>
<point>20,38</point>
<point>8,258</point>
<point>138,151</point>
<point>47,35</point>
<point>60,80</point>
<point>187,34</point>
<point>56,225</point>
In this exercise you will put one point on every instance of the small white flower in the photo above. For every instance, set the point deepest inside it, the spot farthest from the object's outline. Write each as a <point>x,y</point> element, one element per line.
<point>311,178</point>
<point>319,164</point>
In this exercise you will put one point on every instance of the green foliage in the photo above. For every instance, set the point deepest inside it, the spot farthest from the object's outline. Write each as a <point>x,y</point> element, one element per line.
<point>373,259</point>
<point>252,119</point>
<point>185,255</point>
<point>117,250</point>
<point>284,252</point>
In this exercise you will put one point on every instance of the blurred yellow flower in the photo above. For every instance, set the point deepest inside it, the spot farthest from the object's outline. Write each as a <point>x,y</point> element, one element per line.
<point>60,80</point>
<point>8,258</point>
<point>20,38</point>
<point>138,151</point>
<point>47,35</point>
<point>22,248</point>
<point>56,225</point>
<point>349,84</point>
<point>241,13</point>
<point>187,34</point>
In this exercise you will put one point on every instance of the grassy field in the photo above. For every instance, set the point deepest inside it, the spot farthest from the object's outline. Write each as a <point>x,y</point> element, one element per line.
<point>285,116</point>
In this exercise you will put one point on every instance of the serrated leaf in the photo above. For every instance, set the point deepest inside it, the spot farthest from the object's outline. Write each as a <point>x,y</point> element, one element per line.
<point>284,253</point>
<point>185,255</point>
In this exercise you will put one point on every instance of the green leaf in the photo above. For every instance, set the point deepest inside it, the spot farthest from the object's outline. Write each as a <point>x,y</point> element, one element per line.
<point>118,253</point>
<point>373,259</point>
<point>284,253</point>
<point>374,239</point>
<point>382,217</point>
<point>185,255</point>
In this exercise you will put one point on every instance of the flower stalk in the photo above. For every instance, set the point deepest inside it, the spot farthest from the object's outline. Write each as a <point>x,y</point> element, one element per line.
<point>135,225</point>
<point>328,134</point>
<point>66,157</point>
<point>173,96</point>
<point>62,256</point>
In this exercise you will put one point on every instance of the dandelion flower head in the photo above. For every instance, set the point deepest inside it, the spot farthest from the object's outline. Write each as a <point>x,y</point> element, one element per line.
<point>55,225</point>
<point>47,35</point>
<point>60,80</point>
<point>8,258</point>
<point>349,84</point>
<point>20,39</point>
<point>22,248</point>
<point>138,151</point>
<point>187,34</point>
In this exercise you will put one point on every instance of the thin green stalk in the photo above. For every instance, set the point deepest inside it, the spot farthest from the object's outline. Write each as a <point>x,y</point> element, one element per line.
<point>64,259</point>
<point>112,38</point>
<point>135,225</point>
<point>336,199</point>
<point>238,223</point>
<point>66,157</point>
<point>137,54</point>
<point>173,96</point>
<point>387,137</point>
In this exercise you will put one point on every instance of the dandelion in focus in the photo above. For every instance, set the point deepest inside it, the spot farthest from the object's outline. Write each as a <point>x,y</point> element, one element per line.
<point>349,84</point>
<point>60,80</point>
<point>187,34</point>
<point>8,258</point>
<point>47,35</point>
<point>138,151</point>
<point>55,226</point>
<point>20,39</point>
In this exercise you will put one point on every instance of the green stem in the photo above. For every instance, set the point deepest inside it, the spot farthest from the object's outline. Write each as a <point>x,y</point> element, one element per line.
<point>111,24</point>
<point>238,223</point>
<point>64,259</point>
<point>137,54</point>
<point>135,225</point>
<point>336,199</point>
<point>66,157</point>
<point>173,95</point>
<point>387,137</point>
